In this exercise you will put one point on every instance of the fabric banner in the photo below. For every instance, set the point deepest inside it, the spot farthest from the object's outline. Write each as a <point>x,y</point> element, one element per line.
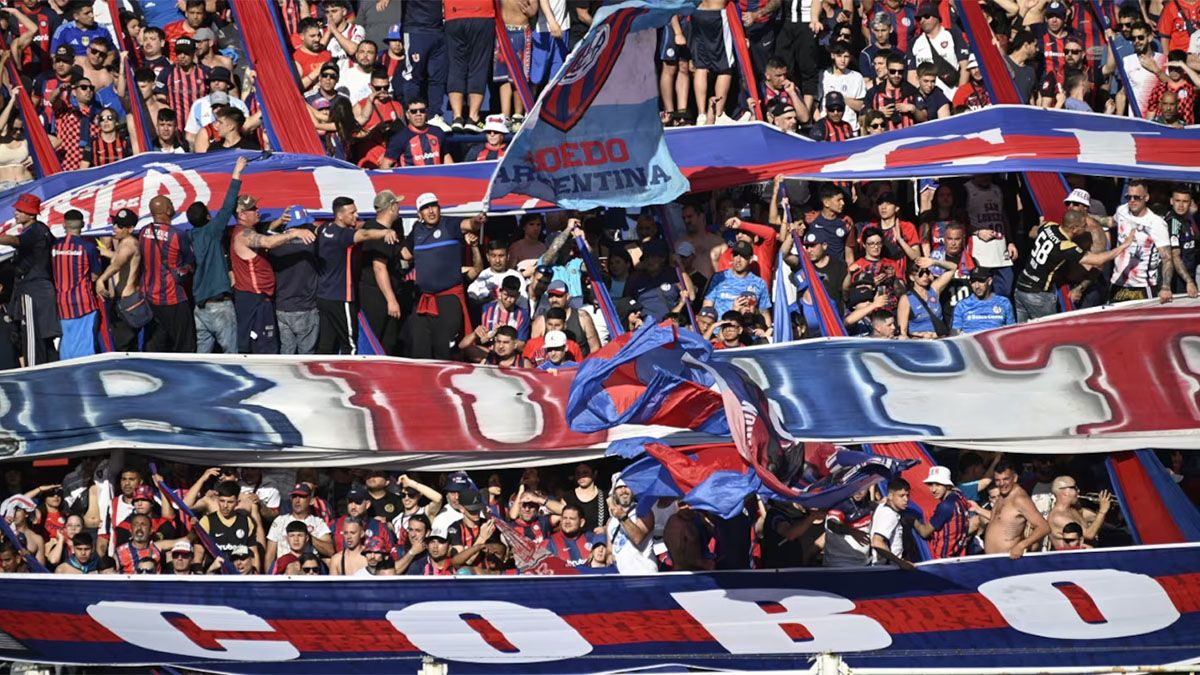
<point>1156,509</point>
<point>594,137</point>
<point>1097,380</point>
<point>1082,609</point>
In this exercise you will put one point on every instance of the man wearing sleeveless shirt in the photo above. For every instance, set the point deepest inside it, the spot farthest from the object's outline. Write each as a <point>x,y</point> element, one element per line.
<point>434,247</point>
<point>337,283</point>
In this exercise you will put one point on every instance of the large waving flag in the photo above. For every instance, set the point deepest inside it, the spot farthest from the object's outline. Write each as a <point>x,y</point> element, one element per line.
<point>641,378</point>
<point>1156,509</point>
<point>594,137</point>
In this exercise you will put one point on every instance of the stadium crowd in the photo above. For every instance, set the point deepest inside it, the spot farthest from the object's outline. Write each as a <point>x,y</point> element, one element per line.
<point>100,518</point>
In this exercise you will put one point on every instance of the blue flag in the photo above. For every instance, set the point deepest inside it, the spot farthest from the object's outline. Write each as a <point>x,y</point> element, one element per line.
<point>594,137</point>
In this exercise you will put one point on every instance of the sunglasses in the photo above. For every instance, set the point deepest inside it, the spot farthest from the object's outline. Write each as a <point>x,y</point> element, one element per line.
<point>835,110</point>
<point>417,111</point>
<point>874,243</point>
<point>379,87</point>
<point>1139,38</point>
<point>107,118</point>
<point>98,52</point>
<point>181,555</point>
<point>925,16</point>
<point>877,125</point>
<point>84,87</point>
<point>1136,198</point>
<point>311,570</point>
<point>329,76</point>
<point>410,493</point>
<point>141,570</point>
<point>529,505</point>
<point>896,72</point>
<point>924,273</point>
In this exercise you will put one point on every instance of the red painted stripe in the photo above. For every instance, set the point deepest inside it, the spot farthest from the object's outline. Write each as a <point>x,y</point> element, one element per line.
<point>1081,601</point>
<point>1143,505</point>
<point>950,612</point>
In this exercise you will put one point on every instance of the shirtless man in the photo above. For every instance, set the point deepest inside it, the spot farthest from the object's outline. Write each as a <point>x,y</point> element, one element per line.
<point>350,559</point>
<point>125,265</point>
<point>18,511</point>
<point>1013,513</point>
<point>1066,496</point>
<point>702,240</point>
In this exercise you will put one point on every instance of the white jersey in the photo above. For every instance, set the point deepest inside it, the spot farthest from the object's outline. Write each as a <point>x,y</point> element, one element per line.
<point>1137,266</point>
<point>849,84</point>
<point>886,523</point>
<point>985,210</point>
<point>558,8</point>
<point>278,532</point>
<point>630,558</point>
<point>1141,81</point>
<point>922,48</point>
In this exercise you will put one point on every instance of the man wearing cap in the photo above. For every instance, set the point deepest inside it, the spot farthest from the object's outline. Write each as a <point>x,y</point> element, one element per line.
<point>1051,29</point>
<point>555,345</point>
<point>33,306</point>
<point>337,287</point>
<point>167,257</point>
<point>208,56</point>
<point>832,127</point>
<point>358,505</point>
<point>310,56</point>
<point>47,84</point>
<point>437,559</point>
<point>503,311</point>
<point>944,47</point>
<point>706,322</point>
<point>214,314</point>
<point>763,239</point>
<point>1053,248</point>
<point>76,264</point>
<point>242,559</point>
<point>185,77</point>
<point>435,247</point>
<point>577,324</point>
<point>725,291</point>
<point>124,269</point>
<point>181,559</point>
<point>381,276</point>
<point>973,94</point>
<point>494,147</point>
<point>302,513</point>
<point>419,143</point>
<point>81,31</point>
<point>203,111</point>
<point>983,309</point>
<point>949,528</point>
<point>654,283</point>
<point>474,526</point>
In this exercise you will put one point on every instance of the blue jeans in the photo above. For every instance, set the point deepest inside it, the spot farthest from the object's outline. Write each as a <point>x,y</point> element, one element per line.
<point>297,331</point>
<point>216,324</point>
<point>1029,306</point>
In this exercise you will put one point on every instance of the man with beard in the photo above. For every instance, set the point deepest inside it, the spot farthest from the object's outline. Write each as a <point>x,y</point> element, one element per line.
<point>571,542</point>
<point>1142,66</point>
<point>350,559</point>
<point>1013,515</point>
<point>140,548</point>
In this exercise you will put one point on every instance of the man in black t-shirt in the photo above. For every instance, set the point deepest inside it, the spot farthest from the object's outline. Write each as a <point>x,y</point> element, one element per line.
<point>34,306</point>
<point>1182,226</point>
<point>1054,248</point>
<point>380,276</point>
<point>337,287</point>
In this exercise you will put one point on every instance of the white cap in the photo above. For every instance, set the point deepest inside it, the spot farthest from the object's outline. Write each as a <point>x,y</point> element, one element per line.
<point>182,546</point>
<point>684,249</point>
<point>495,123</point>
<point>1079,196</point>
<point>426,199</point>
<point>618,481</point>
<point>17,501</point>
<point>939,475</point>
<point>972,62</point>
<point>555,339</point>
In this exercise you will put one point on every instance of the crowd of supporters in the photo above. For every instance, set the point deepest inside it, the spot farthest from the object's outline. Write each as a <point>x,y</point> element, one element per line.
<point>101,518</point>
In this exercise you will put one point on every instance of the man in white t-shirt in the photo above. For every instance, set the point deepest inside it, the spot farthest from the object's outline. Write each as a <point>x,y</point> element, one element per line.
<point>887,530</point>
<point>944,47</point>
<point>840,78</point>
<point>356,72</point>
<point>991,247</point>
<point>1143,65</point>
<point>318,530</point>
<point>1145,266</point>
<point>629,534</point>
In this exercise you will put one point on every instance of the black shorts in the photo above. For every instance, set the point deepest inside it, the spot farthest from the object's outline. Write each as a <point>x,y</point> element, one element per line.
<point>470,45</point>
<point>712,42</point>
<point>257,332</point>
<point>668,51</point>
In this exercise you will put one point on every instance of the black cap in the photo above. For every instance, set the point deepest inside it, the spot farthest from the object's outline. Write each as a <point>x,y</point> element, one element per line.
<point>357,494</point>
<point>627,306</point>
<point>981,274</point>
<point>743,249</point>
<point>185,45</point>
<point>834,99</point>
<point>859,295</point>
<point>656,247</point>
<point>219,74</point>
<point>124,218</point>
<point>64,53</point>
<point>330,66</point>
<point>470,500</point>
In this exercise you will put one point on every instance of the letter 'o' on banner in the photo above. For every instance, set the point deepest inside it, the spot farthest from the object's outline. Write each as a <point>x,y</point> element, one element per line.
<point>441,630</point>
<point>144,624</point>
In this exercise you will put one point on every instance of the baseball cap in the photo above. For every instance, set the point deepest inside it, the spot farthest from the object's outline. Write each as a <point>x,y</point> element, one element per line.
<point>385,199</point>
<point>470,500</point>
<point>185,45</point>
<point>743,249</point>
<point>374,545</point>
<point>301,490</point>
<point>557,287</point>
<point>458,482</point>
<point>247,203</point>
<point>64,53</point>
<point>835,100</point>
<point>939,475</point>
<point>555,339</point>
<point>321,103</point>
<point>1056,8</point>
<point>218,98</point>
<point>437,533</point>
<point>980,274</point>
<point>124,218</point>
<point>495,123</point>
<point>972,62</point>
<point>426,199</point>
<point>547,270</point>
<point>859,295</point>
<point>143,493</point>
<point>685,249</point>
<point>1079,196</point>
<point>182,546</point>
<point>357,494</point>
<point>811,238</point>
<point>928,9</point>
<point>627,306</point>
<point>219,74</point>
<point>239,551</point>
<point>17,501</point>
<point>394,34</point>
<point>299,215</point>
<point>710,312</point>
<point>655,247</point>
<point>331,67</point>
<point>205,33</point>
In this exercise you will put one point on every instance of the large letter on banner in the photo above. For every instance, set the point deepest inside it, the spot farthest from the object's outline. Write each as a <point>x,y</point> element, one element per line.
<point>594,137</point>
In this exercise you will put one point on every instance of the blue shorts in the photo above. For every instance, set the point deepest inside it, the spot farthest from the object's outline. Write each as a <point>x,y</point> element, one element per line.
<point>78,337</point>
<point>549,54</point>
<point>257,332</point>
<point>522,47</point>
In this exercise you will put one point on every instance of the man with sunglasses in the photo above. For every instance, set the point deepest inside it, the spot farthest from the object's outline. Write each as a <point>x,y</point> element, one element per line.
<point>895,97</point>
<point>419,143</point>
<point>1143,65</point>
<point>944,47</point>
<point>95,65</point>
<point>81,31</point>
<point>1146,268</point>
<point>381,114</point>
<point>75,115</point>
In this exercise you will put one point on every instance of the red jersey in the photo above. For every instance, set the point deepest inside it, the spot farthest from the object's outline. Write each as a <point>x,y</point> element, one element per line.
<point>469,9</point>
<point>1178,21</point>
<point>254,275</point>
<point>764,253</point>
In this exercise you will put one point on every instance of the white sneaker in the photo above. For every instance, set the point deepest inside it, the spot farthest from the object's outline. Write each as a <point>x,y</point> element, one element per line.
<point>701,120</point>
<point>746,116</point>
<point>724,119</point>
<point>437,121</point>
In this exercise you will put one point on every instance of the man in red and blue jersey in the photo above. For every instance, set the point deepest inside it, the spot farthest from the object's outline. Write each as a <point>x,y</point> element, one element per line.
<point>503,311</point>
<point>418,144</point>
<point>166,259</point>
<point>571,542</point>
<point>949,528</point>
<point>337,279</point>
<point>76,265</point>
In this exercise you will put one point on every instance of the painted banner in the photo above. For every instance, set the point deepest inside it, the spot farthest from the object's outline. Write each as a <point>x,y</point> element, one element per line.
<point>997,139</point>
<point>1112,378</point>
<point>1093,608</point>
<point>287,410</point>
<point>594,137</point>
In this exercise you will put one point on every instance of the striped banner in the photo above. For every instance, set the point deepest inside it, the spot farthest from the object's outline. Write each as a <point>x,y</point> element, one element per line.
<point>137,107</point>
<point>515,66</point>
<point>741,49</point>
<point>41,150</point>
<point>1156,509</point>
<point>599,290</point>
